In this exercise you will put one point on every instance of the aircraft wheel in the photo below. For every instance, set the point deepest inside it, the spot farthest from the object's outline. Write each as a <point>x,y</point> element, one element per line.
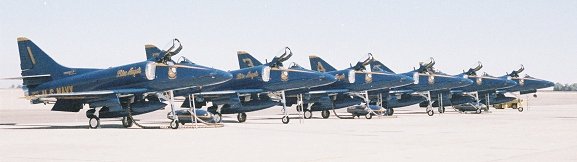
<point>441,110</point>
<point>174,124</point>
<point>478,111</point>
<point>520,109</point>
<point>325,114</point>
<point>126,122</point>
<point>217,118</point>
<point>94,122</point>
<point>241,117</point>
<point>390,112</point>
<point>430,112</point>
<point>369,116</point>
<point>285,119</point>
<point>308,114</point>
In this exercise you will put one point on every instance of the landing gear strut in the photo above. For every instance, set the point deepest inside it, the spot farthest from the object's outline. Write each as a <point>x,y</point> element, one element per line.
<point>429,109</point>
<point>285,118</point>
<point>441,104</point>
<point>174,120</point>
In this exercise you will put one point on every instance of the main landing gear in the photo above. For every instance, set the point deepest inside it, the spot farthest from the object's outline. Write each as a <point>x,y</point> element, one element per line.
<point>389,112</point>
<point>126,122</point>
<point>241,117</point>
<point>308,114</point>
<point>325,114</point>
<point>429,109</point>
<point>93,120</point>
<point>285,118</point>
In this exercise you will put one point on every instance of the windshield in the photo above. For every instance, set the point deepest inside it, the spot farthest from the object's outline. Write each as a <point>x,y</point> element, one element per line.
<point>184,60</point>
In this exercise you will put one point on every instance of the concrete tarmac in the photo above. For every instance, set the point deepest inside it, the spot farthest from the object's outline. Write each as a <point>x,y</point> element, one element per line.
<point>545,131</point>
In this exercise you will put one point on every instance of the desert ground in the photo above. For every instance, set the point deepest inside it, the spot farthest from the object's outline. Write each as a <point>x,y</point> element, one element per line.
<point>545,131</point>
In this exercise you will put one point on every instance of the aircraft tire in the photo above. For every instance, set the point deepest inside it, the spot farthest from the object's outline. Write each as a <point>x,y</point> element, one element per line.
<point>241,117</point>
<point>430,112</point>
<point>478,111</point>
<point>441,110</point>
<point>308,114</point>
<point>94,122</point>
<point>520,109</point>
<point>126,122</point>
<point>390,112</point>
<point>285,119</point>
<point>217,118</point>
<point>369,116</point>
<point>174,124</point>
<point>325,114</point>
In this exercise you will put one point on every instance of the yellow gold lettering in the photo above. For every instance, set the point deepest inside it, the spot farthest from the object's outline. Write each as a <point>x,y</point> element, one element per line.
<point>132,71</point>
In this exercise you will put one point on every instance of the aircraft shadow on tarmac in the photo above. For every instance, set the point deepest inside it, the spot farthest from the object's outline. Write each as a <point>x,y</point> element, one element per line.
<point>23,127</point>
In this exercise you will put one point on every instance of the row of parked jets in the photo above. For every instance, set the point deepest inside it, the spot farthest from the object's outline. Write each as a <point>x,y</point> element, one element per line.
<point>153,84</point>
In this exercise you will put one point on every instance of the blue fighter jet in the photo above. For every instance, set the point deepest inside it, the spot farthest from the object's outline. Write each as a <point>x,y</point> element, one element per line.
<point>525,85</point>
<point>340,94</point>
<point>483,84</point>
<point>251,88</point>
<point>350,89</point>
<point>120,91</point>
<point>425,81</point>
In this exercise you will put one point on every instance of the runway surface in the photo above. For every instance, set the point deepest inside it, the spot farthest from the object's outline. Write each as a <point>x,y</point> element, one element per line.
<point>545,131</point>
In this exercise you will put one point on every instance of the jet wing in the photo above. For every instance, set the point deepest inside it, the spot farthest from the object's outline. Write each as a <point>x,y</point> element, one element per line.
<point>332,91</point>
<point>223,97</point>
<point>240,91</point>
<point>457,91</point>
<point>401,91</point>
<point>90,94</point>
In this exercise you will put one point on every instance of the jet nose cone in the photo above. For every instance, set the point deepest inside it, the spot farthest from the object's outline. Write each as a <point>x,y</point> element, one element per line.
<point>549,84</point>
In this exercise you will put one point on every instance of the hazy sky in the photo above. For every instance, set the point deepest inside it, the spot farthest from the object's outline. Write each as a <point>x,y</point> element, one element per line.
<point>542,35</point>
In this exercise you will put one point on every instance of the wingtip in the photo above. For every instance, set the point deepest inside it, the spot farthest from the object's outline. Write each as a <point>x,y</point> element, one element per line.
<point>20,39</point>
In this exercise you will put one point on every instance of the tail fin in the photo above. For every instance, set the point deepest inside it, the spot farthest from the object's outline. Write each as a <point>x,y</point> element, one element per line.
<point>318,64</point>
<point>378,66</point>
<point>37,67</point>
<point>245,60</point>
<point>152,52</point>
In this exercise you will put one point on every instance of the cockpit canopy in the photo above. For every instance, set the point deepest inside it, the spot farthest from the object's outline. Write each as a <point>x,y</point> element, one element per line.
<point>184,60</point>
